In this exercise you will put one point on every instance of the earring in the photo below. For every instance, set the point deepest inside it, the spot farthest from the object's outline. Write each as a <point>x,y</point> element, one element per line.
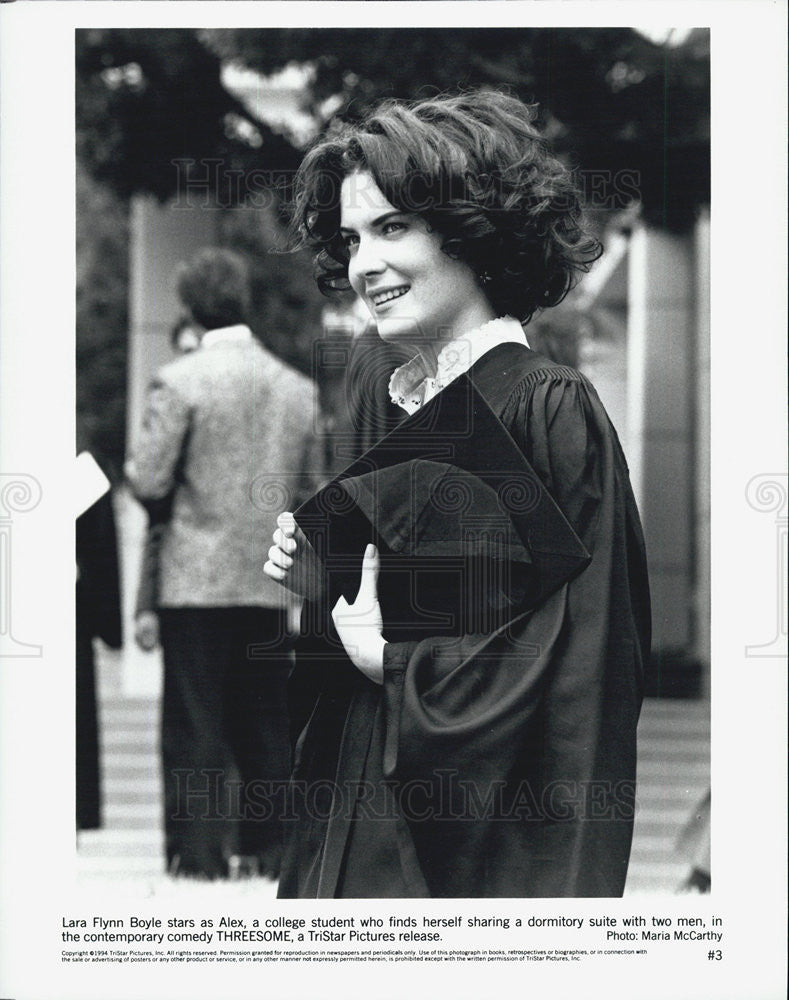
<point>485,278</point>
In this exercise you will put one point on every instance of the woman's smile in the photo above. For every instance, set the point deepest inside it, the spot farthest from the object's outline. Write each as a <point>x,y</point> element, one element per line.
<point>387,295</point>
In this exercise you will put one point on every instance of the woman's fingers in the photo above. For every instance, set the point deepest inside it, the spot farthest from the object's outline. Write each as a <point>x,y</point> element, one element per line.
<point>273,571</point>
<point>280,561</point>
<point>285,542</point>
<point>368,588</point>
<point>291,560</point>
<point>359,625</point>
<point>279,558</point>
<point>286,522</point>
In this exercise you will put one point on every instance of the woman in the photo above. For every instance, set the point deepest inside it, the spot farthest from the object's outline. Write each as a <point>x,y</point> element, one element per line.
<point>491,759</point>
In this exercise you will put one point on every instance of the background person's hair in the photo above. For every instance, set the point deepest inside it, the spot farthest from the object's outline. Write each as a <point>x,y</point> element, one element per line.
<point>479,172</point>
<point>214,287</point>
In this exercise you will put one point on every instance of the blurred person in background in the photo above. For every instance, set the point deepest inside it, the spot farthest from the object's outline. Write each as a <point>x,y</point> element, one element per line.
<point>98,615</point>
<point>185,336</point>
<point>223,426</point>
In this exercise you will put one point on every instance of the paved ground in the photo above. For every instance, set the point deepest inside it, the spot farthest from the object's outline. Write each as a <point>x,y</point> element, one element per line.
<point>127,852</point>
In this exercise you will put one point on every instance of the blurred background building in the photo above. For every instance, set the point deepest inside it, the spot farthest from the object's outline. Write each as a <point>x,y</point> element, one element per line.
<point>191,137</point>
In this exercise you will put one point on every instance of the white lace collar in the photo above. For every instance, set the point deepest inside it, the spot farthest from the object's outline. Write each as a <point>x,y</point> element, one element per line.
<point>410,385</point>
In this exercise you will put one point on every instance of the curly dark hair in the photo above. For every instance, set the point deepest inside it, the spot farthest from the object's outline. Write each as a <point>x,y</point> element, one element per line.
<point>479,172</point>
<point>214,287</point>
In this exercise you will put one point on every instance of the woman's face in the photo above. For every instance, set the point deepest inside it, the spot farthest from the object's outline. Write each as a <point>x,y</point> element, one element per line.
<point>414,291</point>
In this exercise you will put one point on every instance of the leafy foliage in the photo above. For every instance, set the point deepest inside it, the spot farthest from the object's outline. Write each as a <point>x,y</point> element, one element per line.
<point>149,98</point>
<point>612,100</point>
<point>102,283</point>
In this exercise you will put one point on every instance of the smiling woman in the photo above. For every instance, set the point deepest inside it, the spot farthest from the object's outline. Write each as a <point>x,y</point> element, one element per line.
<point>415,292</point>
<point>466,722</point>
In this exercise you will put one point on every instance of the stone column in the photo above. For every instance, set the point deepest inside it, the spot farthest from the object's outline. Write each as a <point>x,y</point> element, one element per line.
<point>702,448</point>
<point>661,424</point>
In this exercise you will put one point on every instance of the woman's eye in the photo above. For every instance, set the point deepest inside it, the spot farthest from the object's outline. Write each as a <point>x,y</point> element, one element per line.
<point>393,227</point>
<point>350,241</point>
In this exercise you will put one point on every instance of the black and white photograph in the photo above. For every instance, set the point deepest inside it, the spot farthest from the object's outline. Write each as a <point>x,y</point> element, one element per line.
<point>398,504</point>
<point>490,174</point>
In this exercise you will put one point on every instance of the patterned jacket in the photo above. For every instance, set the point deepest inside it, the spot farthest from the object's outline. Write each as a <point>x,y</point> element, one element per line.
<point>228,441</point>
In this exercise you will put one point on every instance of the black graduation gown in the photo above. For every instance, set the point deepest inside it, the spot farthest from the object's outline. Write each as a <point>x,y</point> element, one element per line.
<point>371,415</point>
<point>494,761</point>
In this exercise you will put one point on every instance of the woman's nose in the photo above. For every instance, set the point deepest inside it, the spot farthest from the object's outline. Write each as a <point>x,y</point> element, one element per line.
<point>366,262</point>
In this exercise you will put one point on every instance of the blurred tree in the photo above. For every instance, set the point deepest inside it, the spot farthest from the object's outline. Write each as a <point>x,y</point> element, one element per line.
<point>102,282</point>
<point>147,99</point>
<point>632,113</point>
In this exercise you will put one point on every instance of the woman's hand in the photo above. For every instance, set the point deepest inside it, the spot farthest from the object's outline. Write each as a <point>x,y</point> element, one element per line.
<point>146,630</point>
<point>359,625</point>
<point>291,560</point>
